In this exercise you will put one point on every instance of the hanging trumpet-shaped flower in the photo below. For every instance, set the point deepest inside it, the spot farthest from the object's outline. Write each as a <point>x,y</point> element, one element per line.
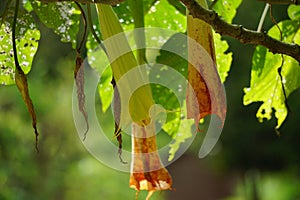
<point>147,171</point>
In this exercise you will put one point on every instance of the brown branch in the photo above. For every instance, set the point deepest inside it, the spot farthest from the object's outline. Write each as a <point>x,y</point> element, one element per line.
<point>282,2</point>
<point>110,2</point>
<point>242,34</point>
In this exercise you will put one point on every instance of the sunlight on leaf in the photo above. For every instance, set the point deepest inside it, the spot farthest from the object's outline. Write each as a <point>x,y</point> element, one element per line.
<point>125,15</point>
<point>227,8</point>
<point>223,59</point>
<point>265,85</point>
<point>62,17</point>
<point>98,60</point>
<point>92,43</point>
<point>27,5</point>
<point>162,94</point>
<point>27,37</point>
<point>105,89</point>
<point>178,43</point>
<point>294,12</point>
<point>168,16</point>
<point>183,133</point>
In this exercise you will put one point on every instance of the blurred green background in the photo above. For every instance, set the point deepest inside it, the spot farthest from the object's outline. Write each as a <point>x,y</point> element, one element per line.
<point>250,161</point>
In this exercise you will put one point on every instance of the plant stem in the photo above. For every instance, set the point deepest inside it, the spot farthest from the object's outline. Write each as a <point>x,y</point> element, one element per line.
<point>263,17</point>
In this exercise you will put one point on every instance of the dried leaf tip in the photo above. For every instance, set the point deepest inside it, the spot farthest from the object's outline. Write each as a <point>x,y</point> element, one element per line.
<point>79,79</point>
<point>22,85</point>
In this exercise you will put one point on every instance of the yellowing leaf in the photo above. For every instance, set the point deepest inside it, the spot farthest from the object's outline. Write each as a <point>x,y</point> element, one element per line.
<point>21,82</point>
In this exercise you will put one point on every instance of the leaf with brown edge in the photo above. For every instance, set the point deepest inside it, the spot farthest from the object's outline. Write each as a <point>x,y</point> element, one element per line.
<point>22,85</point>
<point>79,79</point>
<point>206,95</point>
<point>117,110</point>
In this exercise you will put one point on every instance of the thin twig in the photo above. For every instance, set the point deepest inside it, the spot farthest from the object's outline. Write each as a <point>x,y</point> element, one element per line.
<point>263,17</point>
<point>242,34</point>
<point>14,35</point>
<point>93,30</point>
<point>110,2</point>
<point>79,73</point>
<point>282,2</point>
<point>85,27</point>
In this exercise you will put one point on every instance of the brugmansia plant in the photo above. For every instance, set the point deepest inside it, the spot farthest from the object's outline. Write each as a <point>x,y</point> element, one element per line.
<point>274,76</point>
<point>147,171</point>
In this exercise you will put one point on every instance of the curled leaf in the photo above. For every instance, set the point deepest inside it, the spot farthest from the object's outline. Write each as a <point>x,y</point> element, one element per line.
<point>21,82</point>
<point>79,78</point>
<point>117,110</point>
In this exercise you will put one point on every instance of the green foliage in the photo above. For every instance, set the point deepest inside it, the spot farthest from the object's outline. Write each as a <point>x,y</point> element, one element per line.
<point>74,172</point>
<point>266,84</point>
<point>173,19</point>
<point>65,20</point>
<point>124,13</point>
<point>169,100</point>
<point>178,43</point>
<point>223,57</point>
<point>27,36</point>
<point>170,18</point>
<point>227,8</point>
<point>106,89</point>
<point>294,12</point>
<point>183,133</point>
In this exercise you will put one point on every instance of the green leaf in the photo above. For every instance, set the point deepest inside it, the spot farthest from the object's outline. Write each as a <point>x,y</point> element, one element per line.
<point>178,5</point>
<point>227,8</point>
<point>91,42</point>
<point>178,43</point>
<point>99,61</point>
<point>124,13</point>
<point>184,132</point>
<point>223,58</point>
<point>294,12</point>
<point>27,37</point>
<point>105,89</point>
<point>288,30</point>
<point>164,15</point>
<point>265,85</point>
<point>27,5</point>
<point>62,17</point>
<point>163,95</point>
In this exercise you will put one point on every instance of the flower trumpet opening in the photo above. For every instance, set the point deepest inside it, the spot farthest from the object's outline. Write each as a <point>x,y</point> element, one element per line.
<point>147,171</point>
